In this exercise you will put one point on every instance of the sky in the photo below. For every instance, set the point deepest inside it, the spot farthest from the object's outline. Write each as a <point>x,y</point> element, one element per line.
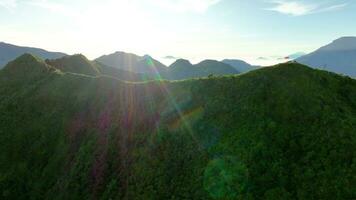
<point>257,31</point>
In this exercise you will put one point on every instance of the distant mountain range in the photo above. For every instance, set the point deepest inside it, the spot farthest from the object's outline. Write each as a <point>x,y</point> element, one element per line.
<point>79,64</point>
<point>183,69</point>
<point>338,57</point>
<point>132,62</point>
<point>9,52</point>
<point>180,69</point>
<point>240,65</point>
<point>125,66</point>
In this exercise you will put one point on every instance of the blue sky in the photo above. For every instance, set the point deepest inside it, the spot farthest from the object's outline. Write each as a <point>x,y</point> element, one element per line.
<point>191,29</point>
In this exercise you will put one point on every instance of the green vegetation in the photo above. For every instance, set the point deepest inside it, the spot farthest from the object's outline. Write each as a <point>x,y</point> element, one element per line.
<point>183,69</point>
<point>79,64</point>
<point>284,132</point>
<point>75,64</point>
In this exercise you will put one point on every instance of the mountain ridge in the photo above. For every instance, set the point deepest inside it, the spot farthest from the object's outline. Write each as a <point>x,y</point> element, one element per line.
<point>339,56</point>
<point>9,52</point>
<point>183,69</point>
<point>132,62</point>
<point>100,138</point>
<point>240,65</point>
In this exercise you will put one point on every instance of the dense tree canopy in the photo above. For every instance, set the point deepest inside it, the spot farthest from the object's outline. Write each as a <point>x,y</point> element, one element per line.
<point>284,132</point>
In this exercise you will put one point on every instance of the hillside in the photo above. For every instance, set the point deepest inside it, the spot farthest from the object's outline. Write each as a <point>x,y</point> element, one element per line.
<point>283,132</point>
<point>75,64</point>
<point>338,56</point>
<point>24,69</point>
<point>79,64</point>
<point>9,52</point>
<point>183,69</point>
<point>133,63</point>
<point>240,65</point>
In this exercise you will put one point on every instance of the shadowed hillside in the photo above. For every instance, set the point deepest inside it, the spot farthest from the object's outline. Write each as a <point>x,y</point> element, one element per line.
<point>240,65</point>
<point>75,64</point>
<point>153,69</point>
<point>284,132</point>
<point>338,56</point>
<point>134,63</point>
<point>183,69</point>
<point>79,64</point>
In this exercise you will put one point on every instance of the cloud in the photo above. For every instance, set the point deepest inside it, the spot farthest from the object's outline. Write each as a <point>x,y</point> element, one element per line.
<point>333,7</point>
<point>299,8</point>
<point>262,58</point>
<point>8,4</point>
<point>195,6</point>
<point>170,57</point>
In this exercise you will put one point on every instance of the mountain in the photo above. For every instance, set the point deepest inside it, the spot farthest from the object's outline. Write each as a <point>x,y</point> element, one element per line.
<point>25,68</point>
<point>338,57</point>
<point>79,64</point>
<point>183,69</point>
<point>9,52</point>
<point>214,67</point>
<point>75,64</point>
<point>282,132</point>
<point>240,65</point>
<point>134,63</point>
<point>180,69</point>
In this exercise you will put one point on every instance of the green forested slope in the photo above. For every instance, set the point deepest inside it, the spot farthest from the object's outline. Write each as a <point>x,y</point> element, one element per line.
<point>284,132</point>
<point>183,69</point>
<point>79,64</point>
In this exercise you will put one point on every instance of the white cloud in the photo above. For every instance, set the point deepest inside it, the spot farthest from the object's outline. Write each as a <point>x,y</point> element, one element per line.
<point>8,4</point>
<point>195,6</point>
<point>299,8</point>
<point>333,7</point>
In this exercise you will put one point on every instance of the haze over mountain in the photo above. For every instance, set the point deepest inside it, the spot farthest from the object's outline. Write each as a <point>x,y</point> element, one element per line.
<point>134,63</point>
<point>9,52</point>
<point>240,65</point>
<point>180,69</point>
<point>296,55</point>
<point>281,132</point>
<point>125,66</point>
<point>183,69</point>
<point>338,56</point>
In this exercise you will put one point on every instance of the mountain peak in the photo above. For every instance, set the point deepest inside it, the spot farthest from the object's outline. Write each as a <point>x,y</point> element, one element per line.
<point>338,56</point>
<point>346,38</point>
<point>239,65</point>
<point>209,61</point>
<point>77,63</point>
<point>28,57</point>
<point>27,66</point>
<point>132,62</point>
<point>122,54</point>
<point>28,60</point>
<point>181,62</point>
<point>146,56</point>
<point>340,44</point>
